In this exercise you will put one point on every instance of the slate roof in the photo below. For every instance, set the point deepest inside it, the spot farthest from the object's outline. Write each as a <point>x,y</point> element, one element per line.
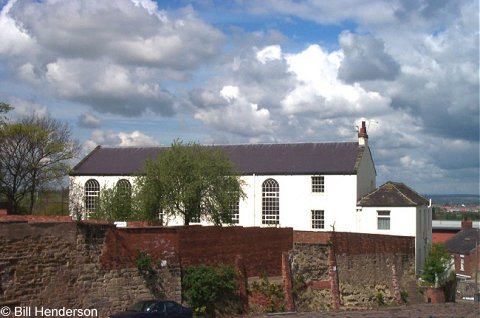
<point>463,242</point>
<point>272,159</point>
<point>392,194</point>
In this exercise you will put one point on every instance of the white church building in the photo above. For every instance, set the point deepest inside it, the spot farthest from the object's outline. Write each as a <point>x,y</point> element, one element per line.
<point>306,186</point>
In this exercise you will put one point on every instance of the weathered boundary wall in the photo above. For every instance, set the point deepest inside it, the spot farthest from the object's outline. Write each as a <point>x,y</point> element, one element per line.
<point>56,265</point>
<point>363,264</point>
<point>85,265</point>
<point>261,248</point>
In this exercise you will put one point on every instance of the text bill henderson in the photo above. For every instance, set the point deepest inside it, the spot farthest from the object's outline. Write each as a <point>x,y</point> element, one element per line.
<point>53,312</point>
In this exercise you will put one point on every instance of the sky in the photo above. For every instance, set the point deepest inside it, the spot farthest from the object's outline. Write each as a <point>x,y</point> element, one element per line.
<point>145,73</point>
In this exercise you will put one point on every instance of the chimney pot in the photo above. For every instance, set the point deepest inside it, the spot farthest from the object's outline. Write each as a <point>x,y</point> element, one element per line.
<point>466,224</point>
<point>362,135</point>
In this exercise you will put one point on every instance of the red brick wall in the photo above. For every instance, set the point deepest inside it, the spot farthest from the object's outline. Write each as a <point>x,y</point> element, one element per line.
<point>441,236</point>
<point>123,245</point>
<point>34,218</point>
<point>305,237</point>
<point>471,260</point>
<point>358,243</point>
<point>261,248</point>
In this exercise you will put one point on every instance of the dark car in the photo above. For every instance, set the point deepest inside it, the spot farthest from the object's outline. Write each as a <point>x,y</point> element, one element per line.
<point>155,309</point>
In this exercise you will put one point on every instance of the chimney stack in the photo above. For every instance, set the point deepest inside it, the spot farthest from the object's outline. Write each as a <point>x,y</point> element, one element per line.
<point>466,223</point>
<point>362,135</point>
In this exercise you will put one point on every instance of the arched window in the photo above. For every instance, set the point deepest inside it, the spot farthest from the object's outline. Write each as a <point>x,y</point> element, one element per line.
<point>124,188</point>
<point>270,202</point>
<point>92,192</point>
<point>123,197</point>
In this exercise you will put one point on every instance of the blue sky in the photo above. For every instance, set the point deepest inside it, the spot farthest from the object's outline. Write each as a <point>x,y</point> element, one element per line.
<point>143,73</point>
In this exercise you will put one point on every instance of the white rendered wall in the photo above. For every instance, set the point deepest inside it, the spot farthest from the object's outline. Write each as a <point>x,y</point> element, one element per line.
<point>404,221</point>
<point>77,189</point>
<point>296,200</point>
<point>366,181</point>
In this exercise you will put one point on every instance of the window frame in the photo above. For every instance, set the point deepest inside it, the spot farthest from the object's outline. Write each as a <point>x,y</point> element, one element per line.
<point>235,212</point>
<point>318,219</point>
<point>270,202</point>
<point>92,195</point>
<point>383,220</point>
<point>318,184</point>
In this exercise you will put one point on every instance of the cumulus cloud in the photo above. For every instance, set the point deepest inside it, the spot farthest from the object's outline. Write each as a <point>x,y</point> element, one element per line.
<point>89,120</point>
<point>113,88</point>
<point>120,139</point>
<point>270,53</point>
<point>318,89</point>
<point>24,108</point>
<point>88,51</point>
<point>238,115</point>
<point>397,65</point>
<point>365,59</point>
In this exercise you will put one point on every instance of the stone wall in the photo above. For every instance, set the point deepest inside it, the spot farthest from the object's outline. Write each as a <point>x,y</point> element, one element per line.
<point>58,265</point>
<point>82,265</point>
<point>363,264</point>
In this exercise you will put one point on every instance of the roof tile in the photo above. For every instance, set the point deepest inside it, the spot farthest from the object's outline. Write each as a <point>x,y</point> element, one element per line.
<point>301,158</point>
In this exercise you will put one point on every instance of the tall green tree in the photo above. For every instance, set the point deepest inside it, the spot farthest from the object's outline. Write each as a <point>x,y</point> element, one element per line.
<point>192,182</point>
<point>115,204</point>
<point>34,153</point>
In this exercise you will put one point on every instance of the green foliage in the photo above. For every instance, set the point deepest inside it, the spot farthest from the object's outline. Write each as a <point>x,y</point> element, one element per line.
<point>190,181</point>
<point>115,204</point>
<point>144,262</point>
<point>436,265</point>
<point>149,270</point>
<point>272,292</point>
<point>34,155</point>
<point>439,213</point>
<point>380,299</point>
<point>404,296</point>
<point>209,290</point>
<point>299,285</point>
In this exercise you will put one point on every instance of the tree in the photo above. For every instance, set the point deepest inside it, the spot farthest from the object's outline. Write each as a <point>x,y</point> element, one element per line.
<point>115,204</point>
<point>4,108</point>
<point>34,152</point>
<point>192,182</point>
<point>437,265</point>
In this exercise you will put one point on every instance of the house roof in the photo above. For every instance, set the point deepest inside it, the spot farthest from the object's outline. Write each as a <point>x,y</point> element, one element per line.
<point>463,242</point>
<point>392,194</point>
<point>273,159</point>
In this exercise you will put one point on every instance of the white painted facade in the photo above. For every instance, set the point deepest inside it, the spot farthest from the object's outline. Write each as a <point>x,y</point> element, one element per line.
<point>296,199</point>
<point>404,221</point>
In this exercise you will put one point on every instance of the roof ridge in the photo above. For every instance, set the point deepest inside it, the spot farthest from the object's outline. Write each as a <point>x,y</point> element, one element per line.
<point>98,147</point>
<point>239,144</point>
<point>395,184</point>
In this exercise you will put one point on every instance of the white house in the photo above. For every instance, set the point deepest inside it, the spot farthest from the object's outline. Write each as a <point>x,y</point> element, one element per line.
<point>395,209</point>
<point>307,186</point>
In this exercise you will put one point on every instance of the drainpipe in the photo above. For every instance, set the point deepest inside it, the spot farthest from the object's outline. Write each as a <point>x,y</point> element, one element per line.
<point>254,201</point>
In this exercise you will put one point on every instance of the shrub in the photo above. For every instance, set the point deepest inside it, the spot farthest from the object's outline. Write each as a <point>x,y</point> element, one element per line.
<point>404,296</point>
<point>211,289</point>
<point>273,294</point>
<point>380,299</point>
<point>436,265</point>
